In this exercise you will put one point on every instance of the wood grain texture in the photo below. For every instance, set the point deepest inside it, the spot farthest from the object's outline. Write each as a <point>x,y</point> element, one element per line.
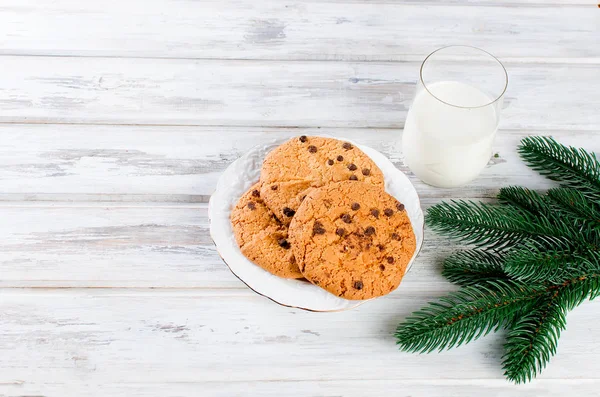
<point>182,164</point>
<point>116,120</point>
<point>300,29</point>
<point>274,93</point>
<point>208,337</point>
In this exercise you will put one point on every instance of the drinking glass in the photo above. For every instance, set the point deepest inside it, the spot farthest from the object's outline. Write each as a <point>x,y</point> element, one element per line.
<point>451,124</point>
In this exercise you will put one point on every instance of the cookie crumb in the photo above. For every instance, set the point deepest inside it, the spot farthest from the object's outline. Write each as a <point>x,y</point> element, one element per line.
<point>303,138</point>
<point>312,149</point>
<point>340,158</point>
<point>358,285</point>
<point>252,206</point>
<point>355,206</point>
<point>352,167</point>
<point>347,145</point>
<point>288,212</point>
<point>388,212</point>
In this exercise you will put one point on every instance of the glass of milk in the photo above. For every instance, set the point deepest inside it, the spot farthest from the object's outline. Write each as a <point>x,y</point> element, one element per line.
<point>454,116</point>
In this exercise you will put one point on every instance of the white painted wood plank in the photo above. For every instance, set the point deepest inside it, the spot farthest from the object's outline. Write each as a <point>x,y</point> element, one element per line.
<point>259,93</point>
<point>301,29</point>
<point>318,388</point>
<point>182,164</point>
<point>128,337</point>
<point>62,245</point>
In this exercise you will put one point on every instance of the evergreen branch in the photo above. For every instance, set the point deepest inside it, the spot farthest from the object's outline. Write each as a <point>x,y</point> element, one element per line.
<point>465,315</point>
<point>525,199</point>
<point>532,339</point>
<point>573,167</point>
<point>576,205</point>
<point>473,266</point>
<point>540,264</point>
<point>497,227</point>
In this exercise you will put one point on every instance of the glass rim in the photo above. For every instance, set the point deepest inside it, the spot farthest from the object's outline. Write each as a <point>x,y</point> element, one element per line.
<point>474,48</point>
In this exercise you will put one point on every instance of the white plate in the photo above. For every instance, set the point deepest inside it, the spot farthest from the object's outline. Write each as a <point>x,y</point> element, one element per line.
<point>237,179</point>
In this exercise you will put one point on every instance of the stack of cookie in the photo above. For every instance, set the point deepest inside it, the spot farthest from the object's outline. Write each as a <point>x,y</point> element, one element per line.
<point>320,212</point>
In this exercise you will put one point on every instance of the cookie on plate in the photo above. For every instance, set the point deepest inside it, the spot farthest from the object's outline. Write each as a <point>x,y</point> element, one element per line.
<point>262,237</point>
<point>352,239</point>
<point>292,170</point>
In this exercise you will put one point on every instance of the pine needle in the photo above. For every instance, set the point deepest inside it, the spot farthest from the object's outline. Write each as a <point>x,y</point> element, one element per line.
<point>571,166</point>
<point>472,267</point>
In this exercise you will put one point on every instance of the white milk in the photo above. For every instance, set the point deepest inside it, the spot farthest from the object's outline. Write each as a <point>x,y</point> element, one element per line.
<point>446,145</point>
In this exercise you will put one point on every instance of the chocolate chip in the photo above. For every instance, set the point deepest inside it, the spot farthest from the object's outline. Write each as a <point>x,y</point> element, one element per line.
<point>355,206</point>
<point>340,158</point>
<point>382,267</point>
<point>390,259</point>
<point>358,285</point>
<point>381,247</point>
<point>366,171</point>
<point>274,187</point>
<point>346,218</point>
<point>330,162</point>
<point>251,205</point>
<point>400,206</point>
<point>312,149</point>
<point>353,178</point>
<point>347,145</point>
<point>369,231</point>
<point>275,218</point>
<point>292,260</point>
<point>388,212</point>
<point>288,212</point>
<point>303,138</point>
<point>375,213</point>
<point>352,167</point>
<point>255,193</point>
<point>340,231</point>
<point>318,228</point>
<point>283,243</point>
<point>395,236</point>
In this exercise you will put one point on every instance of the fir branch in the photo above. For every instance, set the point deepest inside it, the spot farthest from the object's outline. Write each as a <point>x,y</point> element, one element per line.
<point>465,315</point>
<point>497,227</point>
<point>532,340</point>
<point>525,199</point>
<point>539,264</point>
<point>573,167</point>
<point>473,266</point>
<point>575,205</point>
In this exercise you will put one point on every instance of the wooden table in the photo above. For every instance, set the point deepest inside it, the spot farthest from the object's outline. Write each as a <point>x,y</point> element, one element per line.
<point>117,118</point>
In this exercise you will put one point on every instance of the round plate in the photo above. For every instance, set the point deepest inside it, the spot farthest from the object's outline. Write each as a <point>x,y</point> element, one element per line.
<point>237,179</point>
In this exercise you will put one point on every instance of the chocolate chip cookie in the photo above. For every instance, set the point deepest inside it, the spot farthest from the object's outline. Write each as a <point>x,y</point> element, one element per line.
<point>352,239</point>
<point>262,237</point>
<point>291,171</point>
